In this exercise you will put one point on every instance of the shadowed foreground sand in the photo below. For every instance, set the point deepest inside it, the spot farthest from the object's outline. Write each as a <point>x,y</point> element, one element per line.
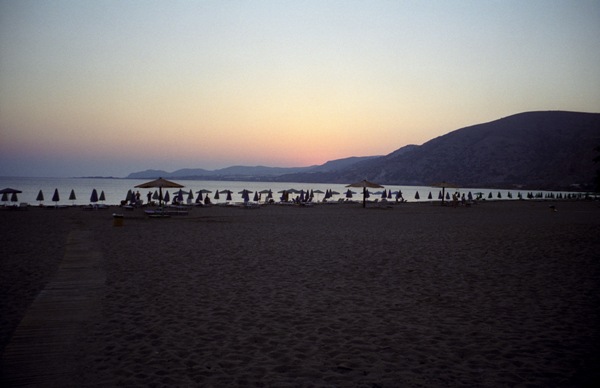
<point>499,294</point>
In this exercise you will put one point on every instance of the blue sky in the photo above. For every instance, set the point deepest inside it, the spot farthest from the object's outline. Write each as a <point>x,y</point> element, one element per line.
<point>111,87</point>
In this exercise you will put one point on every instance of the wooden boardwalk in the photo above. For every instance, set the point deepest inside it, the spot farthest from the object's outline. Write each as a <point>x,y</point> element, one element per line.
<point>39,351</point>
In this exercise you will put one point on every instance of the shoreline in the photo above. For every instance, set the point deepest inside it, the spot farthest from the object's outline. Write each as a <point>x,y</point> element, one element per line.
<point>501,293</point>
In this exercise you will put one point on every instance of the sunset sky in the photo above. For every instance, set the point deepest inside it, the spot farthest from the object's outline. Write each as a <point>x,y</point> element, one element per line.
<point>111,87</point>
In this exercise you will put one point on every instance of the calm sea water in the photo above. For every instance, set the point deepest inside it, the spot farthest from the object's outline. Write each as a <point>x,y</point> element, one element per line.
<point>115,190</point>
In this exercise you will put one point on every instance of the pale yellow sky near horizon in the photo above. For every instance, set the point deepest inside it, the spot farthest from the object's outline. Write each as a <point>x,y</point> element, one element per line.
<point>111,87</point>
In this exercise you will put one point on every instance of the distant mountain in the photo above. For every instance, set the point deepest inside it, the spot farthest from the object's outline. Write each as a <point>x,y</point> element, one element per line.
<point>537,150</point>
<point>249,173</point>
<point>148,174</point>
<point>339,164</point>
<point>552,149</point>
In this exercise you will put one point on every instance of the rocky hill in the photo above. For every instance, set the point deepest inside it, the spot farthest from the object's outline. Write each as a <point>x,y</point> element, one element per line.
<point>537,150</point>
<point>552,149</point>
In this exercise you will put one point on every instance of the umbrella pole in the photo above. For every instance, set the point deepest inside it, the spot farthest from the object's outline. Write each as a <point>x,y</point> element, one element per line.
<point>364,197</point>
<point>160,197</point>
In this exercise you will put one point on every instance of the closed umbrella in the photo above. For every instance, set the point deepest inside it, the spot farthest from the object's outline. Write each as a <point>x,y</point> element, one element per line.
<point>56,197</point>
<point>94,196</point>
<point>102,196</point>
<point>417,195</point>
<point>40,197</point>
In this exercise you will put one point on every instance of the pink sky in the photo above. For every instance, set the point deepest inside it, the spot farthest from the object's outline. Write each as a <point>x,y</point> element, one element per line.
<point>109,88</point>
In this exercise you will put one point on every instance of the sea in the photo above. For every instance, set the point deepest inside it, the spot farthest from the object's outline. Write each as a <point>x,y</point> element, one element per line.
<point>78,191</point>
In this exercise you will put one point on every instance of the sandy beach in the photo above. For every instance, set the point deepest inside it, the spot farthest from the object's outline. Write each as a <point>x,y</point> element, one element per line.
<point>497,294</point>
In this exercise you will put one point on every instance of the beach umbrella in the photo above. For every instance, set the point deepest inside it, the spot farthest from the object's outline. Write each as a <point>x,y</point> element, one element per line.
<point>12,192</point>
<point>317,192</point>
<point>384,195</point>
<point>499,195</point>
<point>14,198</point>
<point>365,184</point>
<point>160,183</point>
<point>245,194</point>
<point>167,196</point>
<point>102,196</point>
<point>470,196</point>
<point>179,196</point>
<point>56,196</point>
<point>447,195</point>
<point>269,194</point>
<point>367,194</point>
<point>509,194</point>
<point>256,199</point>
<point>430,196</point>
<point>444,186</point>
<point>199,198</point>
<point>490,195</point>
<point>228,192</point>
<point>191,195</point>
<point>417,195</point>
<point>349,193</point>
<point>217,194</point>
<point>40,197</point>
<point>72,196</point>
<point>94,196</point>
<point>155,196</point>
<point>129,196</point>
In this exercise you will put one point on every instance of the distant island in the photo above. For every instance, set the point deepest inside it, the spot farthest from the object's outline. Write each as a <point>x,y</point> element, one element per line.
<point>531,150</point>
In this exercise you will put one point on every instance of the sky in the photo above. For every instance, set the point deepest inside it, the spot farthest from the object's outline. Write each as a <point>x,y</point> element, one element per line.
<point>110,87</point>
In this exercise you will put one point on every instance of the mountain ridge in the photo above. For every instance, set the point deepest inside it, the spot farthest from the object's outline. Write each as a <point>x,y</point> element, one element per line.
<point>539,149</point>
